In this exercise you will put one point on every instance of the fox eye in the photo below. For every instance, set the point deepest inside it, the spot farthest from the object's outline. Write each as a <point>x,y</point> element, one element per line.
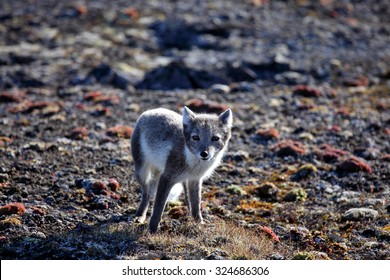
<point>195,137</point>
<point>215,138</point>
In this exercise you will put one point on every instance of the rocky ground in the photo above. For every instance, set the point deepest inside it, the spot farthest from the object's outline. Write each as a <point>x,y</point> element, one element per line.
<point>307,173</point>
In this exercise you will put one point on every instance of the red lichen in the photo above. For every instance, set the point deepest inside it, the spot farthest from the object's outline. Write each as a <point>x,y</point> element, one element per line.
<point>269,232</point>
<point>39,211</point>
<point>329,153</point>
<point>357,82</point>
<point>99,97</point>
<point>306,91</point>
<point>113,184</point>
<point>6,97</point>
<point>267,134</point>
<point>13,208</point>
<point>4,140</point>
<point>208,106</point>
<point>98,187</point>
<point>120,131</point>
<point>288,148</point>
<point>334,128</point>
<point>354,164</point>
<point>79,133</point>
<point>100,111</point>
<point>115,196</point>
<point>344,111</point>
<point>131,12</point>
<point>387,131</point>
<point>386,157</point>
<point>81,10</point>
<point>30,106</point>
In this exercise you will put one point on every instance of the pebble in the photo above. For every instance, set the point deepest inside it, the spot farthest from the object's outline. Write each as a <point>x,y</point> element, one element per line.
<point>356,214</point>
<point>220,89</point>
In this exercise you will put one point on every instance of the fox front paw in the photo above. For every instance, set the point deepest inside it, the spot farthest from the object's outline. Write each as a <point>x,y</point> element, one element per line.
<point>139,219</point>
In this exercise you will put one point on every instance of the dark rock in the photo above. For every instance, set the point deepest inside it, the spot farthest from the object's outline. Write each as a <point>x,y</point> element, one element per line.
<point>175,34</point>
<point>22,80</point>
<point>178,76</point>
<point>238,72</point>
<point>106,75</point>
<point>21,59</point>
<point>367,153</point>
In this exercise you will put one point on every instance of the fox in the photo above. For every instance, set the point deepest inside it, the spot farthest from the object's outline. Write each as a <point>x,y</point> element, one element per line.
<point>170,149</point>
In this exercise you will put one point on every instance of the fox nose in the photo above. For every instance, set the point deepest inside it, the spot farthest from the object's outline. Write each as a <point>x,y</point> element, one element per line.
<point>204,154</point>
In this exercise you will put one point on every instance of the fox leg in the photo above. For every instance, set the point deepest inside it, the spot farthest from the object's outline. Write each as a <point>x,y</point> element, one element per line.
<point>165,185</point>
<point>186,195</point>
<point>142,177</point>
<point>194,197</point>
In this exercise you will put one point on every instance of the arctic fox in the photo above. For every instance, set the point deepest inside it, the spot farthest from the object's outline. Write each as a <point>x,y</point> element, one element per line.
<point>170,149</point>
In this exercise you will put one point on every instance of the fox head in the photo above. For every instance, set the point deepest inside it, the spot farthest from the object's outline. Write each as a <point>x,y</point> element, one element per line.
<point>206,135</point>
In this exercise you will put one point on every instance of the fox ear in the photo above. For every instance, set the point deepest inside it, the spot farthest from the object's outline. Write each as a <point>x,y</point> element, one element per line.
<point>226,118</point>
<point>188,116</point>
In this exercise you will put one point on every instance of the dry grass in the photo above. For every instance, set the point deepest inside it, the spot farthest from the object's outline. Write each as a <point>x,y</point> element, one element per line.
<point>176,239</point>
<point>220,239</point>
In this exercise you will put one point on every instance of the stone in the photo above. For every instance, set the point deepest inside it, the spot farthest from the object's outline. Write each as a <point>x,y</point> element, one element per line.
<point>177,75</point>
<point>356,214</point>
<point>220,89</point>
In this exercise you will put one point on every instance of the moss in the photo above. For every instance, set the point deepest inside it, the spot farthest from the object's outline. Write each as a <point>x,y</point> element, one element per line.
<point>297,194</point>
<point>304,172</point>
<point>9,222</point>
<point>236,190</point>
<point>303,256</point>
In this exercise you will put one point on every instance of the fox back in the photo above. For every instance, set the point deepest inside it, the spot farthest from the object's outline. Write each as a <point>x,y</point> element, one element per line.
<point>170,149</point>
